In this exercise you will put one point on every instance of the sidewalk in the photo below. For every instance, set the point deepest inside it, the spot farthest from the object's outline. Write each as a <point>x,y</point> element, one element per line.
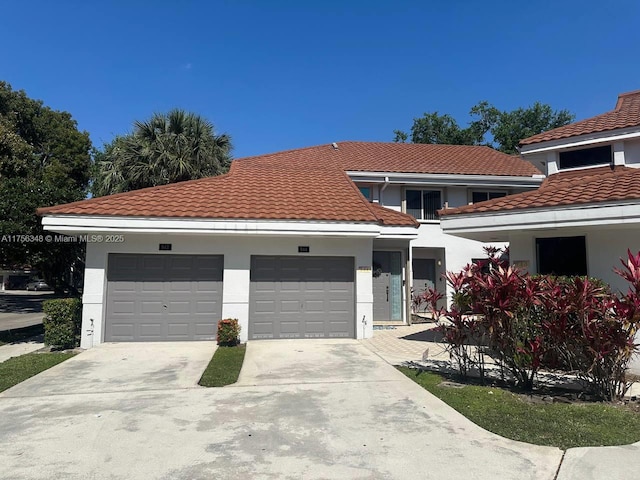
<point>418,343</point>
<point>20,348</point>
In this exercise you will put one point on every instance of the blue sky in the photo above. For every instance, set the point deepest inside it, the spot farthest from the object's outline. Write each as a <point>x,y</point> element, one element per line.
<point>277,74</point>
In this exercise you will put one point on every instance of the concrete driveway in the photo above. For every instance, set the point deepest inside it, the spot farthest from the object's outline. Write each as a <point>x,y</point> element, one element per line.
<point>123,367</point>
<point>302,409</point>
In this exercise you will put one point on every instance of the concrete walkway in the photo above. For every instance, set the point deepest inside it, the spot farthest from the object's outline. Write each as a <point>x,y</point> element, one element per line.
<point>20,348</point>
<point>302,409</point>
<point>417,342</point>
<point>407,343</point>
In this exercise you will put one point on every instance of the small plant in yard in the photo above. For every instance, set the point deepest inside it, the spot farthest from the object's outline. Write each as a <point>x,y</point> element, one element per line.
<point>62,322</point>
<point>228,332</point>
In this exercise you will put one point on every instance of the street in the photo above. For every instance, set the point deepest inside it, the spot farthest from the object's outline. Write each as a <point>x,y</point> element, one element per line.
<point>19,308</point>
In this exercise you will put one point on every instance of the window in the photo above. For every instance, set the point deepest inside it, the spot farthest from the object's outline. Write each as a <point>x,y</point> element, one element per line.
<point>562,256</point>
<point>585,157</point>
<point>366,191</point>
<point>424,204</point>
<point>477,197</point>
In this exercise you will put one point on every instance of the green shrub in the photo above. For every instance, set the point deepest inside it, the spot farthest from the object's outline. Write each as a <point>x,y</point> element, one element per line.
<point>62,322</point>
<point>228,332</point>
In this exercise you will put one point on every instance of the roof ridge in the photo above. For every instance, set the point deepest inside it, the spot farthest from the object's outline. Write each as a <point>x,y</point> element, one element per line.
<point>623,96</point>
<point>251,157</point>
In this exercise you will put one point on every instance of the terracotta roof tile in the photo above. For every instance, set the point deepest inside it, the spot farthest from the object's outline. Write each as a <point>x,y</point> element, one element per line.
<point>404,158</point>
<point>626,114</point>
<point>580,187</point>
<point>304,184</point>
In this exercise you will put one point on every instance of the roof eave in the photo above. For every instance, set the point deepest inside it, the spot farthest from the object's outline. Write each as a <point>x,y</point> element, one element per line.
<point>618,134</point>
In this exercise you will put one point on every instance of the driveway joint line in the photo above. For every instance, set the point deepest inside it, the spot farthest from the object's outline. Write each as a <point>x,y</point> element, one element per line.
<point>555,477</point>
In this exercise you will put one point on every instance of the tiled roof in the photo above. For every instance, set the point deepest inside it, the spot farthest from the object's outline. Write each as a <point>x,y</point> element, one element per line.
<point>626,114</point>
<point>404,158</point>
<point>580,187</point>
<point>304,184</point>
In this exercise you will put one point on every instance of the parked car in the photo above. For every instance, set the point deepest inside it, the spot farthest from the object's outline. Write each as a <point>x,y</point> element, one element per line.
<point>37,285</point>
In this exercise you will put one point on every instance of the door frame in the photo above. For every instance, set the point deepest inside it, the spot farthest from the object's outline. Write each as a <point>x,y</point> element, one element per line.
<point>404,270</point>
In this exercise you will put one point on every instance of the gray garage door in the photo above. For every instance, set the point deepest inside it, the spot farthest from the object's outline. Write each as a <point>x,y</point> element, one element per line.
<point>153,298</point>
<point>301,297</point>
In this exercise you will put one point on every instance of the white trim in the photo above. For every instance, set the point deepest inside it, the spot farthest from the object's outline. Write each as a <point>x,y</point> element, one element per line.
<point>447,179</point>
<point>536,219</point>
<point>581,140</point>
<point>73,224</point>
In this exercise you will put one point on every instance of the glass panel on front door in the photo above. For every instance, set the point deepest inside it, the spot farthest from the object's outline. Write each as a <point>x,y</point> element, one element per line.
<point>387,285</point>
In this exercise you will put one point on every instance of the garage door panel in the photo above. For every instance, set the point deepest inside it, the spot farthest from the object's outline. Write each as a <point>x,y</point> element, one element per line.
<point>205,307</point>
<point>164,297</point>
<point>124,308</point>
<point>149,287</point>
<point>178,330</point>
<point>179,308</point>
<point>122,330</point>
<point>154,307</point>
<point>288,306</point>
<point>301,297</point>
<point>150,331</point>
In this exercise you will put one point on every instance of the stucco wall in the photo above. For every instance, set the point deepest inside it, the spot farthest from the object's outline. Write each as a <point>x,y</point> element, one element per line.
<point>605,247</point>
<point>632,152</point>
<point>237,253</point>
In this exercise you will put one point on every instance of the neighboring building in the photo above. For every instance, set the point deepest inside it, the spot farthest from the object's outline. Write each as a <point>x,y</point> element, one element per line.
<point>314,242</point>
<point>585,215</point>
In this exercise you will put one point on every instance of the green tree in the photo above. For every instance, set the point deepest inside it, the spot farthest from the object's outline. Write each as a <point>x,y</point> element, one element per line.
<point>44,160</point>
<point>167,148</point>
<point>489,126</point>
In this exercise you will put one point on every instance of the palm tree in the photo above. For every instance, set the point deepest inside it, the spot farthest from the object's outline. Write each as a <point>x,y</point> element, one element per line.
<point>167,148</point>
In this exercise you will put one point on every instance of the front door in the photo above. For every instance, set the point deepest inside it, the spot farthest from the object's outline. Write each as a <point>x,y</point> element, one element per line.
<point>387,285</point>
<point>424,274</point>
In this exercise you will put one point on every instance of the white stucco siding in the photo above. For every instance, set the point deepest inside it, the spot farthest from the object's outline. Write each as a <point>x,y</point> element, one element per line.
<point>391,197</point>
<point>632,153</point>
<point>457,196</point>
<point>458,251</point>
<point>237,253</point>
<point>605,248</point>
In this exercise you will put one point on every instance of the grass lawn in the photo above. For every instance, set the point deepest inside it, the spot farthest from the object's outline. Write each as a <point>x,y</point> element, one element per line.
<point>18,369</point>
<point>224,367</point>
<point>17,334</point>
<point>555,424</point>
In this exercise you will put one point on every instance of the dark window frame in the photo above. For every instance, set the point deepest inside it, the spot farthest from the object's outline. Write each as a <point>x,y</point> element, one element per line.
<point>432,216</point>
<point>562,256</point>
<point>490,194</point>
<point>585,157</point>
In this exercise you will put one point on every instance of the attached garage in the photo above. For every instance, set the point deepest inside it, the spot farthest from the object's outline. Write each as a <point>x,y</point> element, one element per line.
<point>163,297</point>
<point>301,297</point>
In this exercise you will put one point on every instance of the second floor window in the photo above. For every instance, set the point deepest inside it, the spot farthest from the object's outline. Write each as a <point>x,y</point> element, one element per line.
<point>366,191</point>
<point>424,204</point>
<point>585,157</point>
<point>477,197</point>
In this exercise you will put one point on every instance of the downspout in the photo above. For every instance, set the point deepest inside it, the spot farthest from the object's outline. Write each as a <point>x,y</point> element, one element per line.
<point>384,187</point>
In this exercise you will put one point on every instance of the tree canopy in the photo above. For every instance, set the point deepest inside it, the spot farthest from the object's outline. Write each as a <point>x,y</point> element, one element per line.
<point>167,148</point>
<point>44,160</point>
<point>489,126</point>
